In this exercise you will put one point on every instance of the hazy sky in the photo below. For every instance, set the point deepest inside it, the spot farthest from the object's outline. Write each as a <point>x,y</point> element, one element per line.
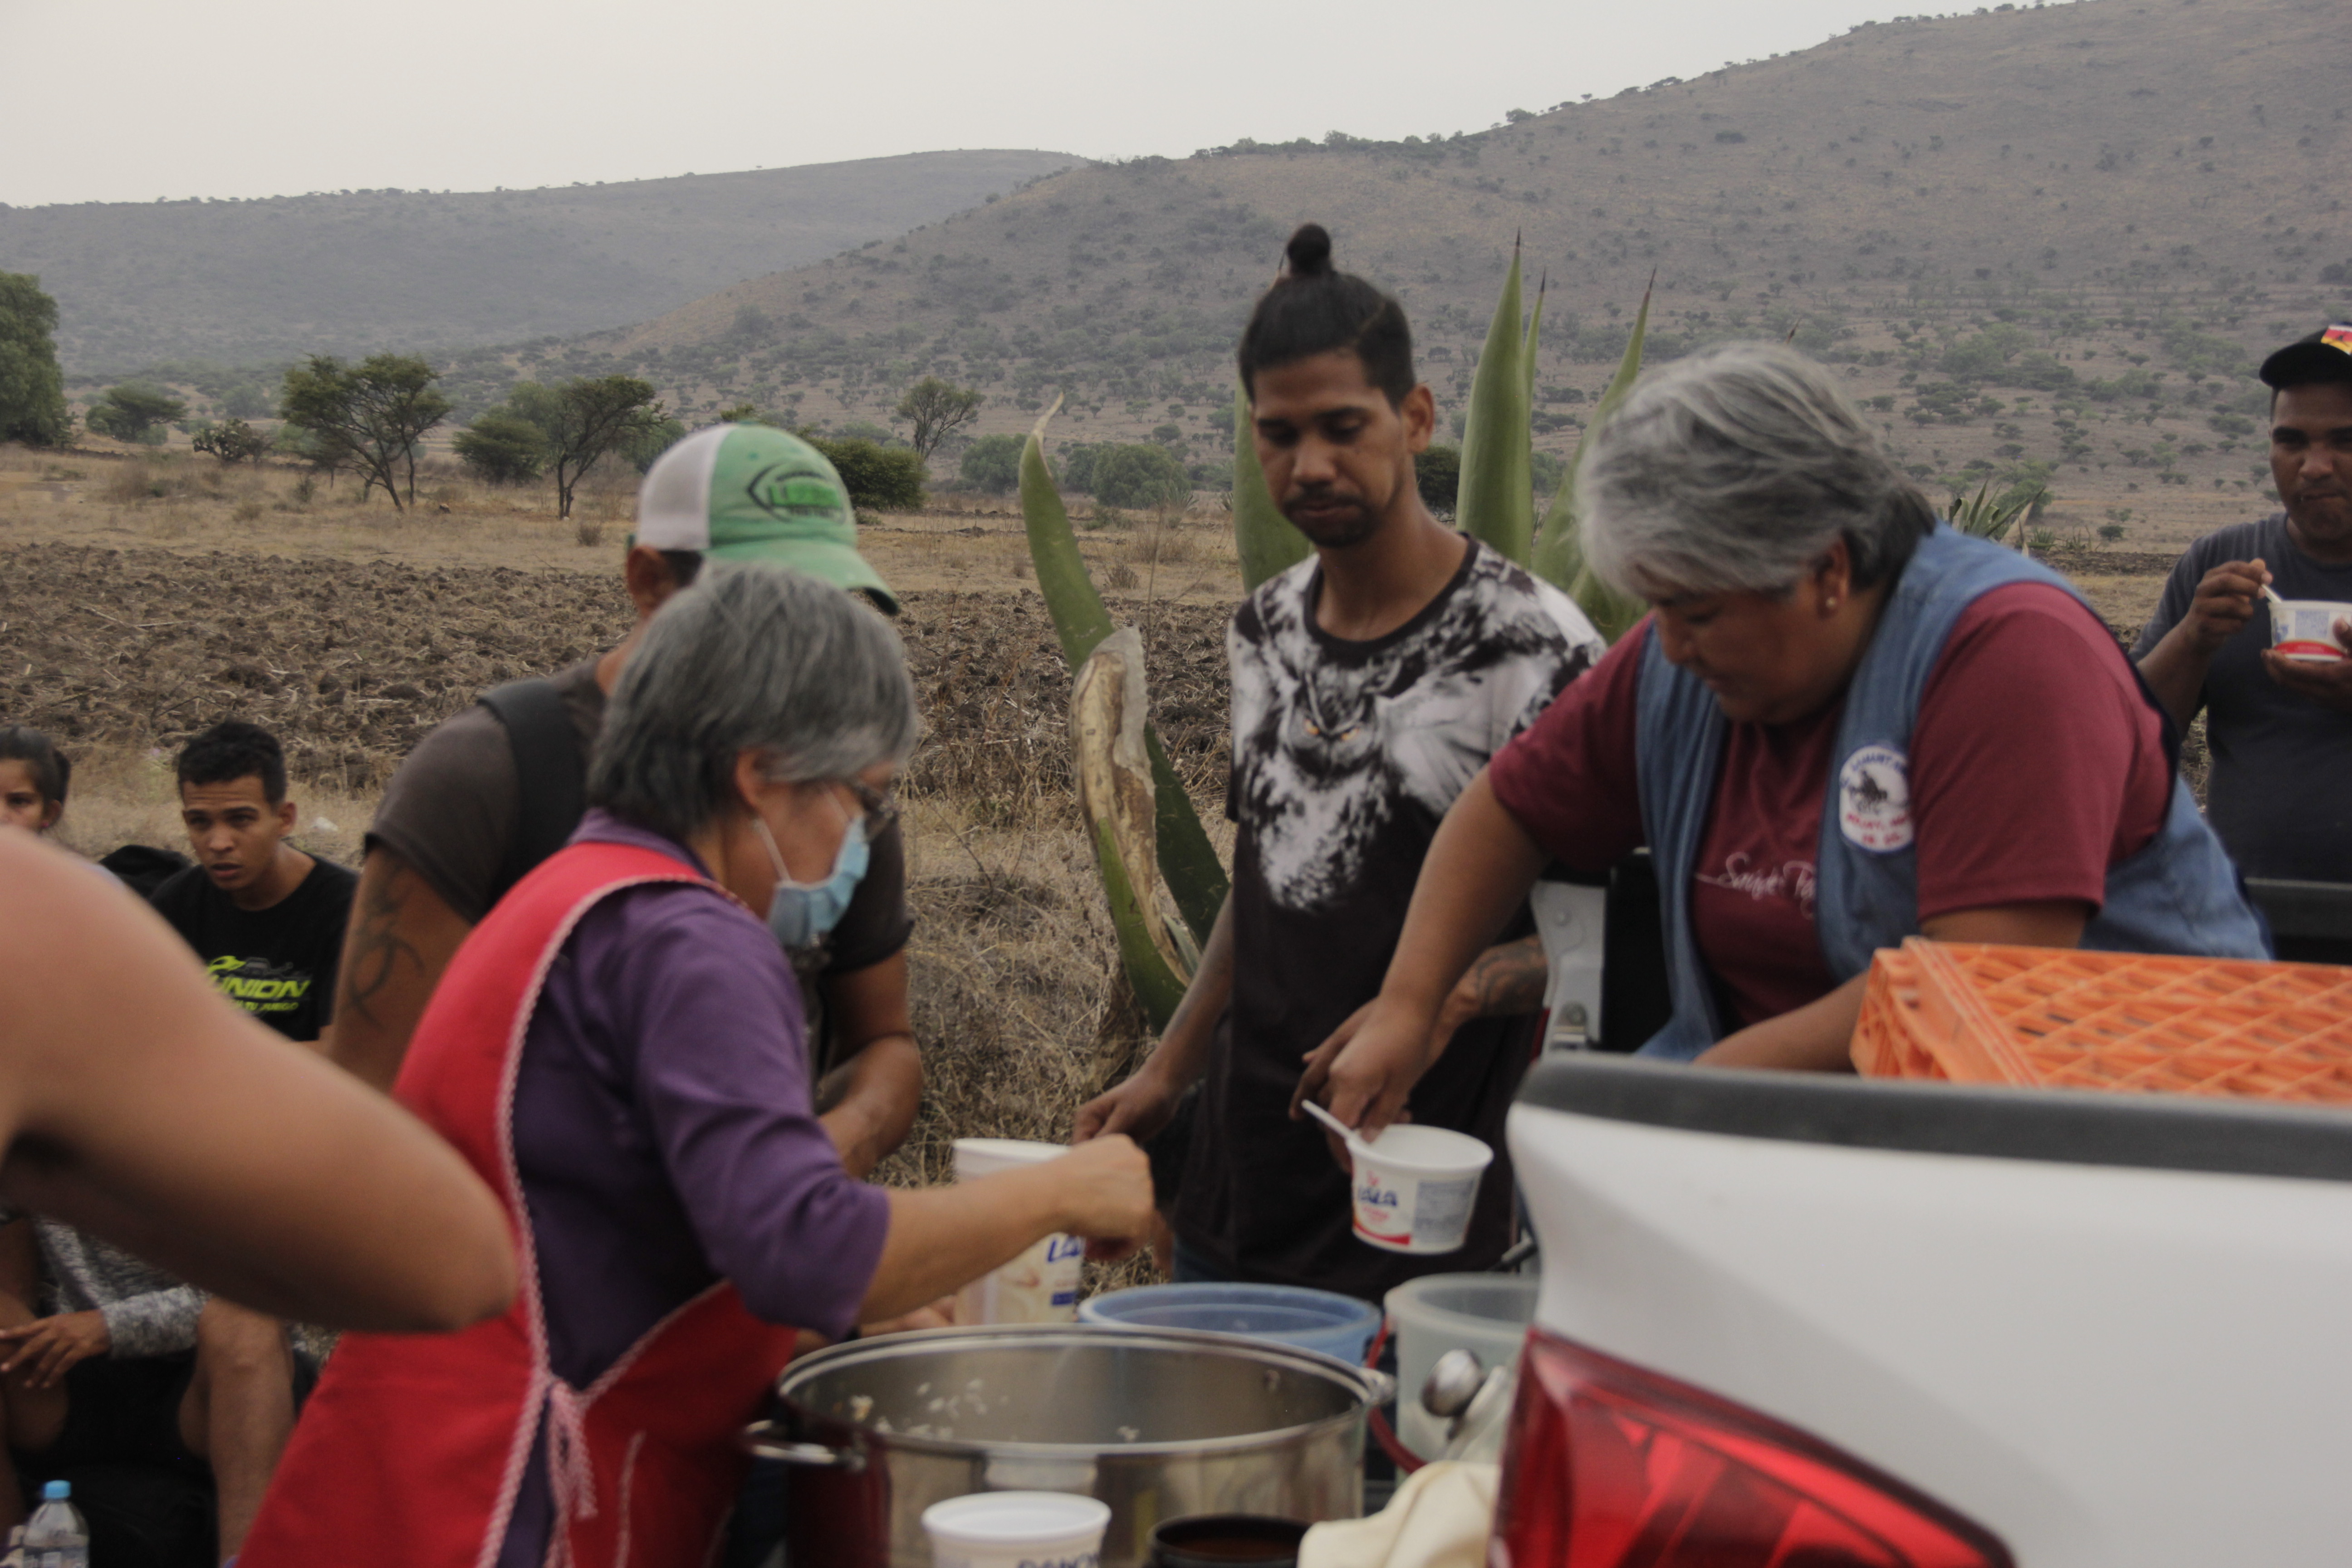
<point>139,99</point>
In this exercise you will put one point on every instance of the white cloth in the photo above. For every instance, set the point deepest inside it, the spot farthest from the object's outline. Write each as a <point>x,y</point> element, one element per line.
<point>1438,1519</point>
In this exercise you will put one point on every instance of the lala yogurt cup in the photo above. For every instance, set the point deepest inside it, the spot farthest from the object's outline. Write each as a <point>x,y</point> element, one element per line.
<point>1041,1285</point>
<point>1415,1187</point>
<point>2305,628</point>
<point>1017,1530</point>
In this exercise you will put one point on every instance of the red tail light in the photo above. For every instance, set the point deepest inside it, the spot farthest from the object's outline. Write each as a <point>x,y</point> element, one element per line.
<point>1613,1467</point>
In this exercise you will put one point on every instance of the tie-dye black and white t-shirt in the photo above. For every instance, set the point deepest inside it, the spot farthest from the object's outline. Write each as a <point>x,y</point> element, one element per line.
<point>1346,756</point>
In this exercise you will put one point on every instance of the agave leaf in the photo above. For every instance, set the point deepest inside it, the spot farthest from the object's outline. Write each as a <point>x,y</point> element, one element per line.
<point>1534,337</point>
<point>1194,876</point>
<point>1157,986</point>
<point>1559,547</point>
<point>1496,502</point>
<point>1079,618</point>
<point>1264,539</point>
<point>1116,788</point>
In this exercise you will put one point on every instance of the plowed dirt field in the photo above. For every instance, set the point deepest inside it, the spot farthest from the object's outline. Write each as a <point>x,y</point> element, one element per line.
<point>348,663</point>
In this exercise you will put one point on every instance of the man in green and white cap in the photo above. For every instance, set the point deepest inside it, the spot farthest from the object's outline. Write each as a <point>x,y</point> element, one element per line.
<point>749,492</point>
<point>494,790</point>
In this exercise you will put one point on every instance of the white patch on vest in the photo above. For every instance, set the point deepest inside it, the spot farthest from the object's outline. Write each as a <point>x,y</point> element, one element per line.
<point>1874,799</point>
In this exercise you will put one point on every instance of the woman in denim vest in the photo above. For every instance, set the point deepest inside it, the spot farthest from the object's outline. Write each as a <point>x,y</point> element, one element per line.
<point>1843,723</point>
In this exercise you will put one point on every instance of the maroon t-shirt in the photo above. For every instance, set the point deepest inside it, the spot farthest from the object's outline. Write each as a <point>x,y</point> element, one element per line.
<point>2036,764</point>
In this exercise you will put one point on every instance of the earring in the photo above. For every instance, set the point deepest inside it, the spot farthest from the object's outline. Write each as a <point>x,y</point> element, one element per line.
<point>1830,602</point>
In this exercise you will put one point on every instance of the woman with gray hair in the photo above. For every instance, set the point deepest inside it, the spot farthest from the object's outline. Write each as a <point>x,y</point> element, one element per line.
<point>619,1049</point>
<point>1843,723</point>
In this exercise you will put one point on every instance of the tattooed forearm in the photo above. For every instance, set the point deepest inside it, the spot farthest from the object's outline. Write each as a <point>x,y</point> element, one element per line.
<point>402,936</point>
<point>376,946</point>
<point>1508,980</point>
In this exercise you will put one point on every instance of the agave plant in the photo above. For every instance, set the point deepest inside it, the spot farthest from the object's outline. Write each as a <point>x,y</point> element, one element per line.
<point>1184,862</point>
<point>1125,779</point>
<point>1989,516</point>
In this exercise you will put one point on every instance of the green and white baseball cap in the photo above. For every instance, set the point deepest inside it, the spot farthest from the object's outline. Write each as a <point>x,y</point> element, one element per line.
<point>752,492</point>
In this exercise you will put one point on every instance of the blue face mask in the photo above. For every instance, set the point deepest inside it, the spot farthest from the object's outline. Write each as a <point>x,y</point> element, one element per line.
<point>801,913</point>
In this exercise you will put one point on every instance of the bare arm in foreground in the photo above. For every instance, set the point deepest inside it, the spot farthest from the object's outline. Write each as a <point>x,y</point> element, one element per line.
<point>138,1105</point>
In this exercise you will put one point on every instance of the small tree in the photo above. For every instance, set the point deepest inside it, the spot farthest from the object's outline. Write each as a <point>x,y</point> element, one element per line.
<point>937,409</point>
<point>370,415</point>
<point>582,420</point>
<point>234,441</point>
<point>992,464</point>
<point>135,414</point>
<point>1140,475</point>
<point>657,437</point>
<point>502,447</point>
<point>887,479</point>
<point>32,384</point>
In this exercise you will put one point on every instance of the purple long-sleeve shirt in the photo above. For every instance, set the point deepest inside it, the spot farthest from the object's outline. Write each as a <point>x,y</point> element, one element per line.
<point>667,1135</point>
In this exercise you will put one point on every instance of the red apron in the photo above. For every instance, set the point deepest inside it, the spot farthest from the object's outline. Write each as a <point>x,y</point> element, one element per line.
<point>410,1453</point>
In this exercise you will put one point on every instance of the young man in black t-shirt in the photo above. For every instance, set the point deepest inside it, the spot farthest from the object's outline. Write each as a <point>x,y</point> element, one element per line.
<point>1370,683</point>
<point>267,919</point>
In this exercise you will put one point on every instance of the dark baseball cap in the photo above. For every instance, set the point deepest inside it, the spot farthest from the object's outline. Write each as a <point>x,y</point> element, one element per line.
<point>2325,355</point>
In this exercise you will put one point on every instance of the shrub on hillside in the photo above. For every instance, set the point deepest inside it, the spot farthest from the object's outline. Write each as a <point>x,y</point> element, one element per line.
<point>32,386</point>
<point>502,447</point>
<point>882,478</point>
<point>1141,474</point>
<point>992,465</point>
<point>233,441</point>
<point>136,414</point>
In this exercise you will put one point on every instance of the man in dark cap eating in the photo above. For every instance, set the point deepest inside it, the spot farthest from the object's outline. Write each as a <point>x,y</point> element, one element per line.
<point>2279,718</point>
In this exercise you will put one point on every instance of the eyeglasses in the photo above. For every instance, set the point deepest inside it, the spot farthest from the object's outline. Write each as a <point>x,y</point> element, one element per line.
<point>880,805</point>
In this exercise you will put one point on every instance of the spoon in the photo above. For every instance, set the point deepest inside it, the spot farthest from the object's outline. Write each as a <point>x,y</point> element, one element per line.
<point>1355,1140</point>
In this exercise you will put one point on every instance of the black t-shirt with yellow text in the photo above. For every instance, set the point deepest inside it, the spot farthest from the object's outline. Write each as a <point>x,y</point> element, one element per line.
<point>277,964</point>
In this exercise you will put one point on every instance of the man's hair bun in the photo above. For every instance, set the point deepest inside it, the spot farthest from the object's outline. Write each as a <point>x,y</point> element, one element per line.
<point>1312,309</point>
<point>1309,251</point>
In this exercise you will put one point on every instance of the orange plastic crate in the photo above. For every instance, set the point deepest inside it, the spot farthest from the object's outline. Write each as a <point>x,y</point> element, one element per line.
<point>2061,1018</point>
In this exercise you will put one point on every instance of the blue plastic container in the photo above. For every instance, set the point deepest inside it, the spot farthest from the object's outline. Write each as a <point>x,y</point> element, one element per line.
<point>1312,1319</point>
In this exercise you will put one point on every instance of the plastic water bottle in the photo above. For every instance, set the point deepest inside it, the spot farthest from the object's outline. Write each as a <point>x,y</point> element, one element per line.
<point>56,1537</point>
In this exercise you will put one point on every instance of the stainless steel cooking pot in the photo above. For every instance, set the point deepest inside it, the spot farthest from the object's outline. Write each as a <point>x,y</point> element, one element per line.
<point>1156,1422</point>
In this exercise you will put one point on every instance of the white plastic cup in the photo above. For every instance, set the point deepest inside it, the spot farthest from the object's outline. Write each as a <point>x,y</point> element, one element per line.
<point>1017,1530</point>
<point>2305,630</point>
<point>1041,1285</point>
<point>1415,1186</point>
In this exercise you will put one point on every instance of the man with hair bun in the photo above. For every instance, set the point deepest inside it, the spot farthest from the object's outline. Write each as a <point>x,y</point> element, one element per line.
<point>1371,683</point>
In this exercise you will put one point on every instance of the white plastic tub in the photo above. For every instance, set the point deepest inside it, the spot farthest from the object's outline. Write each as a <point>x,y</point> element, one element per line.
<point>1484,1313</point>
<point>1016,1530</point>
<point>1415,1187</point>
<point>2305,628</point>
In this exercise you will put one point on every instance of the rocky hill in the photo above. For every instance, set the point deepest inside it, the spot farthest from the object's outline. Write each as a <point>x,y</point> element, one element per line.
<point>2011,227</point>
<point>249,283</point>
